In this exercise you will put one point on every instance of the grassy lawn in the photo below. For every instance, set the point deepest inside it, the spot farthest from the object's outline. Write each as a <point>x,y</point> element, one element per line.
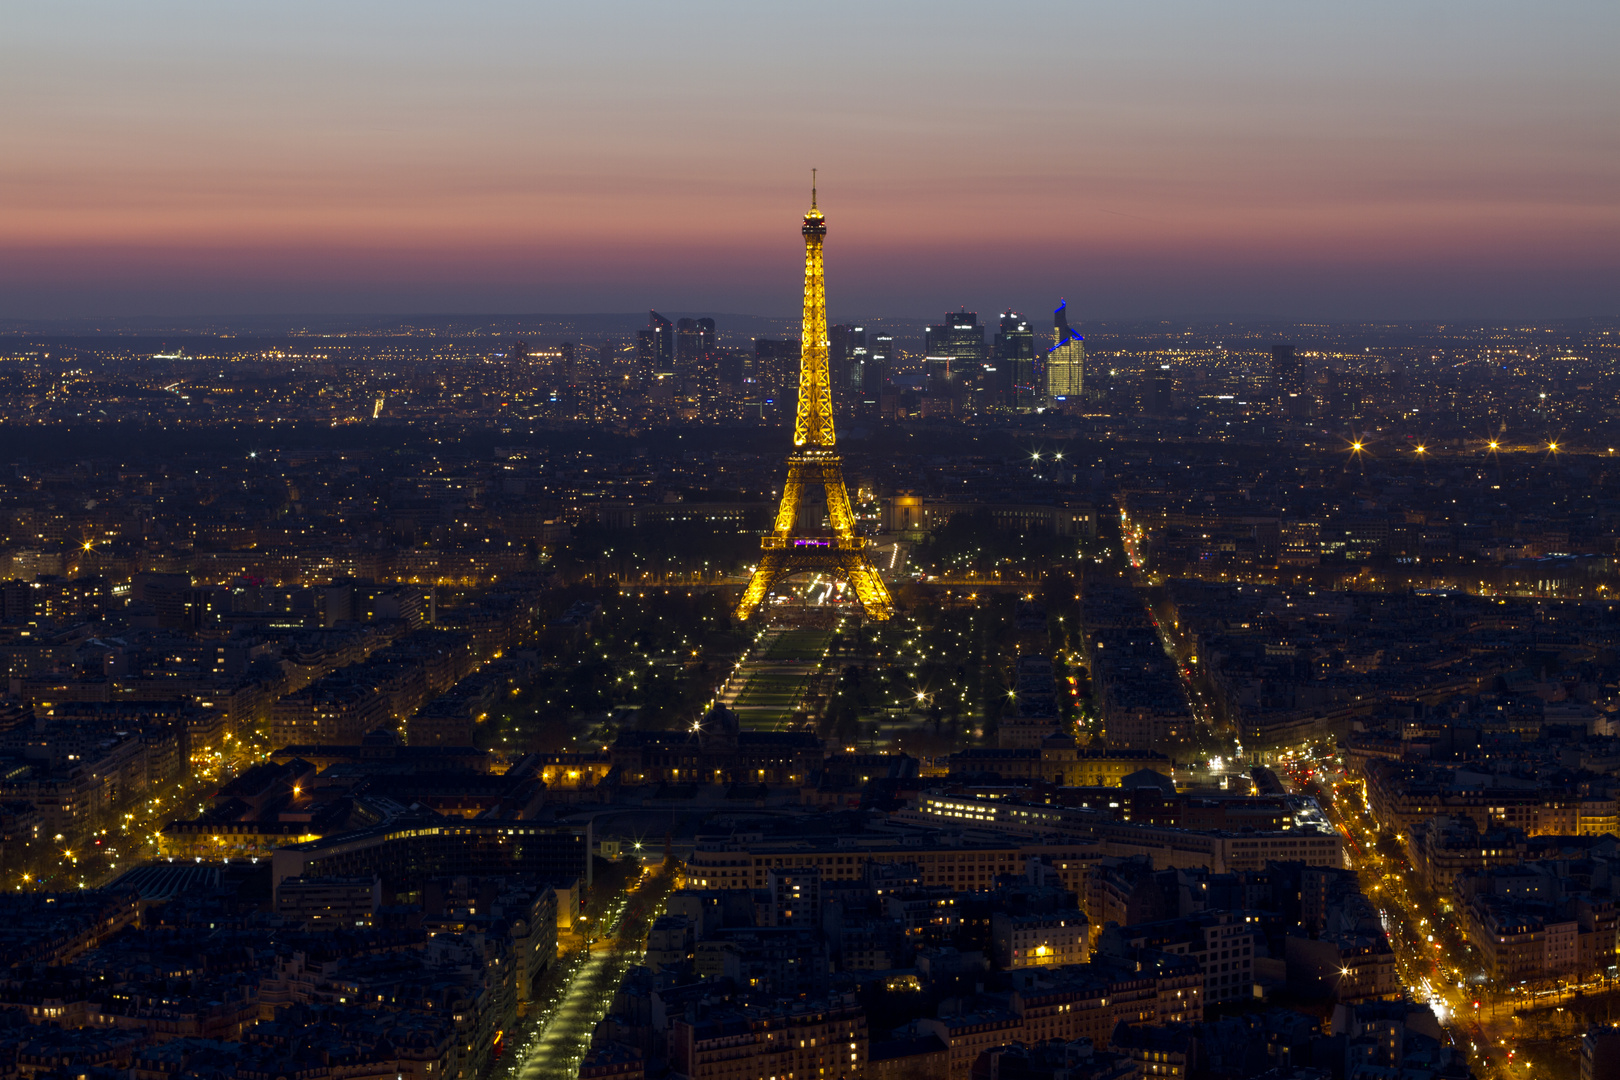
<point>798,646</point>
<point>769,698</point>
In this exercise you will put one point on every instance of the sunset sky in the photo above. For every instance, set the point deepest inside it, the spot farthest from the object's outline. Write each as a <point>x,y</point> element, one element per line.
<point>1300,160</point>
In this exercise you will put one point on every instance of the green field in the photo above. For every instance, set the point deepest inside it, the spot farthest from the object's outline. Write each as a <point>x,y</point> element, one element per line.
<point>798,646</point>
<point>772,689</point>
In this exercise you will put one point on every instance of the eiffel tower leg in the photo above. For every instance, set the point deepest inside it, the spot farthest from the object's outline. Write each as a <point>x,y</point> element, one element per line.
<point>787,513</point>
<point>869,588</point>
<point>839,513</point>
<point>772,568</point>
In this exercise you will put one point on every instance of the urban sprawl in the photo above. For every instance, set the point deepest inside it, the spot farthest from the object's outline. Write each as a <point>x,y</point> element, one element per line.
<point>378,703</point>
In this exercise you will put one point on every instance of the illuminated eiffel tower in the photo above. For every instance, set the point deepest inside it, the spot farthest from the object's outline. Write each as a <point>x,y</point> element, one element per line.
<point>795,545</point>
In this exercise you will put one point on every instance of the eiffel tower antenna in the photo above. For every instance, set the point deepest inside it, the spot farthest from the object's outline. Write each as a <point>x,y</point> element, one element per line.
<point>794,546</point>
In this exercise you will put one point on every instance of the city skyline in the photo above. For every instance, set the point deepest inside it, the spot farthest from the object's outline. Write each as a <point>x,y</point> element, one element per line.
<point>1120,581</point>
<point>1406,162</point>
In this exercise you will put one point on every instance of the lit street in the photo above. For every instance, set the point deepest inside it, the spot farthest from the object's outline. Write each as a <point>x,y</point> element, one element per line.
<point>557,1033</point>
<point>121,840</point>
<point>1432,958</point>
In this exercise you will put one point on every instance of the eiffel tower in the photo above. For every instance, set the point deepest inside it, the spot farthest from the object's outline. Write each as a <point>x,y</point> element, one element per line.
<point>796,545</point>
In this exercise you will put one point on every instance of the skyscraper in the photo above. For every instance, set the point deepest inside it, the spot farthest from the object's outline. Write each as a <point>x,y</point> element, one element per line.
<point>776,365</point>
<point>882,351</point>
<point>1015,363</point>
<point>694,339</point>
<point>1284,368</point>
<point>954,349</point>
<point>846,350</point>
<point>695,356</point>
<point>646,354</point>
<point>1065,362</point>
<point>841,343</point>
<point>858,355</point>
<point>655,346</point>
<point>1158,396</point>
<point>880,356</point>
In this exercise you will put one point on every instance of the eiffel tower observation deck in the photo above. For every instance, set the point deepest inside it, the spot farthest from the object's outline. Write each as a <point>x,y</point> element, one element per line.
<point>801,542</point>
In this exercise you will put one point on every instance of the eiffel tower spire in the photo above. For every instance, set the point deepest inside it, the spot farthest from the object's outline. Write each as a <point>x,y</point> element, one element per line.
<point>795,546</point>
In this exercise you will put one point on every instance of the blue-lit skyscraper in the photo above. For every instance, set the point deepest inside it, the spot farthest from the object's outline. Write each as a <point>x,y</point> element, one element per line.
<point>1065,363</point>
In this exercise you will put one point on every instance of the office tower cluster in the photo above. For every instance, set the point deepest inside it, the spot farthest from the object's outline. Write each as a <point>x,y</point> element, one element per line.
<point>678,359</point>
<point>1013,373</point>
<point>862,364</point>
<point>681,366</point>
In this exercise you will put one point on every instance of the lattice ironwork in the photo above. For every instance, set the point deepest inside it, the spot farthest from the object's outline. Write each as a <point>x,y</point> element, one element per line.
<point>795,546</point>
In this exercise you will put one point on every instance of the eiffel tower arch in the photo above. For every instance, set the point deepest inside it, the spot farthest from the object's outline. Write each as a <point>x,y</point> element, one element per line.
<point>815,471</point>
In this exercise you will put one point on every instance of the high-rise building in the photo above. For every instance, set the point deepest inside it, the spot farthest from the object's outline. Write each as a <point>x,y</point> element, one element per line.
<point>846,351</point>
<point>663,332</point>
<point>695,359</point>
<point>1015,363</point>
<point>734,366</point>
<point>694,340</point>
<point>1288,384</point>
<point>776,369</point>
<point>1284,367</point>
<point>1065,362</point>
<point>655,346</point>
<point>1158,395</point>
<point>882,351</point>
<point>858,355</point>
<point>646,354</point>
<point>954,349</point>
<point>842,342</point>
<point>880,356</point>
